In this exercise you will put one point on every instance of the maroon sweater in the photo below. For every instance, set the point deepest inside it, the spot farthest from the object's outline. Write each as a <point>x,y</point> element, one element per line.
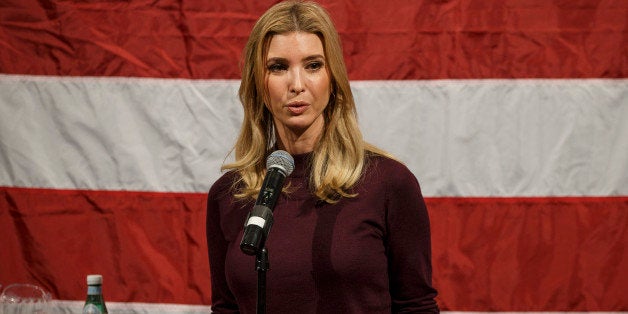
<point>367,254</point>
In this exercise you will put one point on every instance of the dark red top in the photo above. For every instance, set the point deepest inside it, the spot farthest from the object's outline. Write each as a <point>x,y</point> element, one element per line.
<point>368,254</point>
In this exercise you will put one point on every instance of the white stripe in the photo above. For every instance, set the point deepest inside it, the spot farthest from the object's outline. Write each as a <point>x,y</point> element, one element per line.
<point>503,137</point>
<point>74,307</point>
<point>459,137</point>
<point>115,133</point>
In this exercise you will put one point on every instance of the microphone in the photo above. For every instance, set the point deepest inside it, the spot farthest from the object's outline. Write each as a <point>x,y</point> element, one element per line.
<point>257,225</point>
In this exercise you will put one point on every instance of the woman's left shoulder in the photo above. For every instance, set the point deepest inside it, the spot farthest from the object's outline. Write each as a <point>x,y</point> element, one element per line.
<point>393,179</point>
<point>387,169</point>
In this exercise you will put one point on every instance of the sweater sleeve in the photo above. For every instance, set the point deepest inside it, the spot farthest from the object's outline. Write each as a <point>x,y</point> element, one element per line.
<point>408,245</point>
<point>222,298</point>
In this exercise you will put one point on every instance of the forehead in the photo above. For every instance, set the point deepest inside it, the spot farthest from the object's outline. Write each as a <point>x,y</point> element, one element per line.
<point>295,44</point>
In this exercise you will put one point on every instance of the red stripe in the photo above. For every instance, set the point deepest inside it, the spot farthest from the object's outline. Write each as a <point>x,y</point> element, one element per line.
<point>501,254</point>
<point>148,246</point>
<point>530,254</point>
<point>383,40</point>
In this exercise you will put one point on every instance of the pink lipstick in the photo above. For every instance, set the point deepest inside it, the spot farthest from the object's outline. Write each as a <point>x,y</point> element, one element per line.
<point>297,108</point>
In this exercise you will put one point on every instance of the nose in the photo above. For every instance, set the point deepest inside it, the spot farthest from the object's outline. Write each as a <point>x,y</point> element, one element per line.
<point>296,84</point>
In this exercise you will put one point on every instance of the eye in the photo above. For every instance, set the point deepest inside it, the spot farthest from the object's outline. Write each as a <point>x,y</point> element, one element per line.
<point>277,67</point>
<point>315,65</point>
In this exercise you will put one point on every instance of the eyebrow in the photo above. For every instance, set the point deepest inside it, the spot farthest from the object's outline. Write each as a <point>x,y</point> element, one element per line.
<point>308,58</point>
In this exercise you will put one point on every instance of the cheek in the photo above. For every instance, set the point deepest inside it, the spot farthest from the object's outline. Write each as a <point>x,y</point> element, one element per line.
<point>323,90</point>
<point>274,93</point>
<point>269,97</point>
<point>326,84</point>
<point>323,86</point>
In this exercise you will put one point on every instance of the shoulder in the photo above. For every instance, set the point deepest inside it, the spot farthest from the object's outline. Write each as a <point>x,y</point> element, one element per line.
<point>386,168</point>
<point>223,186</point>
<point>392,174</point>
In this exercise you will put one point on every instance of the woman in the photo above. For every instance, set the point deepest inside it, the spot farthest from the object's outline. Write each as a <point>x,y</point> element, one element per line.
<point>351,231</point>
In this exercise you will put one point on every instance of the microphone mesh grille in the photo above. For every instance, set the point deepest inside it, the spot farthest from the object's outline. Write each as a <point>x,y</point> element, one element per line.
<point>280,159</point>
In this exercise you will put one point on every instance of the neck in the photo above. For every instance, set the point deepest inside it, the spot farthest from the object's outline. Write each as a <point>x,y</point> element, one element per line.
<point>299,142</point>
<point>297,146</point>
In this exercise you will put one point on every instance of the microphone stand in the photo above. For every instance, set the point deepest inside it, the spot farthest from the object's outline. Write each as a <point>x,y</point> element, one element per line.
<point>259,221</point>
<point>262,265</point>
<point>253,243</point>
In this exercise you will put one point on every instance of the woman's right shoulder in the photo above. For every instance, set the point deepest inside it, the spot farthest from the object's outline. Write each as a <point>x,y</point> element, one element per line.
<point>224,185</point>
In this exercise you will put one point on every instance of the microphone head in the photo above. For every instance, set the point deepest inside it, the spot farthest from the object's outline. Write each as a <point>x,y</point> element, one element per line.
<point>282,160</point>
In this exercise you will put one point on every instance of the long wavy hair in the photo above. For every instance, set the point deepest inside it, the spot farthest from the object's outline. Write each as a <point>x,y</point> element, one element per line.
<point>339,156</point>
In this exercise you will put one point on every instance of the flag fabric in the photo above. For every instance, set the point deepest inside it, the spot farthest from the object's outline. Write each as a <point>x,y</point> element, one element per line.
<point>115,118</point>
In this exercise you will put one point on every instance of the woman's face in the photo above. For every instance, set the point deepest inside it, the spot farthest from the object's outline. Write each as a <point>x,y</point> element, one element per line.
<point>298,84</point>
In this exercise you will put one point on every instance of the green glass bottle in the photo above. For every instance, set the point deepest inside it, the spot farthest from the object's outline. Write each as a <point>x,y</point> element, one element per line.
<point>95,303</point>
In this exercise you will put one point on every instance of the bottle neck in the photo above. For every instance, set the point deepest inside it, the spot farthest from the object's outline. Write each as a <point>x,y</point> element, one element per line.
<point>94,290</point>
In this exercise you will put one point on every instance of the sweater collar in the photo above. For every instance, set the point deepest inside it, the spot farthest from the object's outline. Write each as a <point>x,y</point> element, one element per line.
<point>301,165</point>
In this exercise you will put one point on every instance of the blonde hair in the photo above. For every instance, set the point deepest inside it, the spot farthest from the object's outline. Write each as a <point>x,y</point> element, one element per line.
<point>339,156</point>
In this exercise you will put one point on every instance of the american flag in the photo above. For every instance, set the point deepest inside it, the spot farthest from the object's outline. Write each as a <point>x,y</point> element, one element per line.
<point>115,117</point>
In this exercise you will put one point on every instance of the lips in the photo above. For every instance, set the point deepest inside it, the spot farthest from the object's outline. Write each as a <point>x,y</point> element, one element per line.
<point>297,108</point>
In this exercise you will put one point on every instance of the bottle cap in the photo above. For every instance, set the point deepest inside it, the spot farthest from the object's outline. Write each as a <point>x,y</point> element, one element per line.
<point>94,279</point>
